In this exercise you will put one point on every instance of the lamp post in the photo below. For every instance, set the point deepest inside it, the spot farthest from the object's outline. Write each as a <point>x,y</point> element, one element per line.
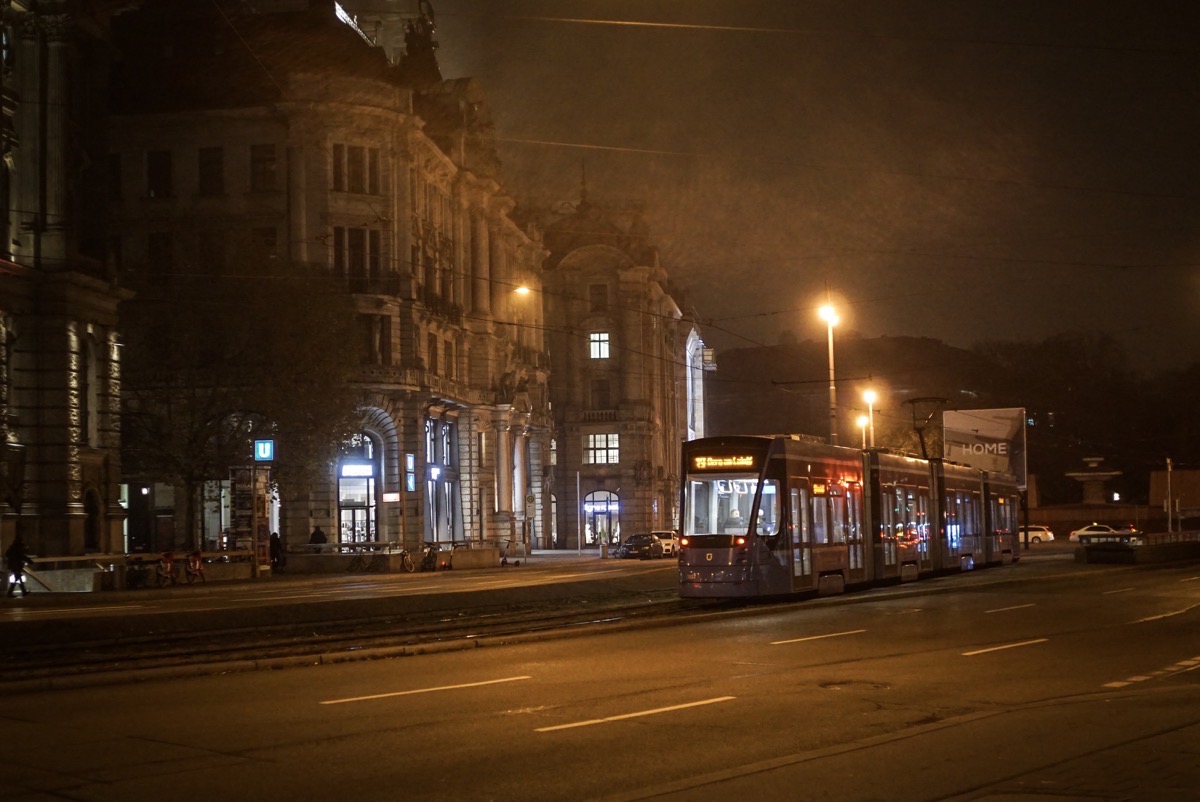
<point>869,396</point>
<point>830,317</point>
<point>862,425</point>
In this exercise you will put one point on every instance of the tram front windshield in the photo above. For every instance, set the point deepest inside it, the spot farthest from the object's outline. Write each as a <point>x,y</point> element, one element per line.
<point>724,504</point>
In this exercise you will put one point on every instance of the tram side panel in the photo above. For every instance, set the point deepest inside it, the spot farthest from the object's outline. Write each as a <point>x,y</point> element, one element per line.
<point>1002,514</point>
<point>900,511</point>
<point>961,537</point>
<point>830,546</point>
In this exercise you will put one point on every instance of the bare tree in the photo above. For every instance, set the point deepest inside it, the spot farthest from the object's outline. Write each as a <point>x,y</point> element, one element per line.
<point>215,359</point>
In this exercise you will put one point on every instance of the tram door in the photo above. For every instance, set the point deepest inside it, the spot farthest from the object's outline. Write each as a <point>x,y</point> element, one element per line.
<point>801,536</point>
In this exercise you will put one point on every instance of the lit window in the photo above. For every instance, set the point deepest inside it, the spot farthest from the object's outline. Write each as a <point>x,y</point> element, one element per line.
<point>598,345</point>
<point>602,449</point>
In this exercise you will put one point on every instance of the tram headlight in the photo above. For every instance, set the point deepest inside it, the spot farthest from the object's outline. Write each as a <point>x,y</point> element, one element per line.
<point>683,541</point>
<point>741,541</point>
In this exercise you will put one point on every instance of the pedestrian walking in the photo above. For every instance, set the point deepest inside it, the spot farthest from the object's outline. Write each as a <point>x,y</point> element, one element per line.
<point>15,560</point>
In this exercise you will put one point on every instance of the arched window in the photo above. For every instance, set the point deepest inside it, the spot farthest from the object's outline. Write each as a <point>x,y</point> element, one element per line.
<point>359,475</point>
<point>602,518</point>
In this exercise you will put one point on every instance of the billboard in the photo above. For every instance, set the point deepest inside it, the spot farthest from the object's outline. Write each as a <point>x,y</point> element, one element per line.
<point>988,439</point>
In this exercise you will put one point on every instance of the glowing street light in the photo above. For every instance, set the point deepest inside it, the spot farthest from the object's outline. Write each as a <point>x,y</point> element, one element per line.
<point>869,396</point>
<point>862,424</point>
<point>829,316</point>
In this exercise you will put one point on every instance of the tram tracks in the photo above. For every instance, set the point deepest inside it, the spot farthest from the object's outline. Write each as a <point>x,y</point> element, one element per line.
<point>215,650</point>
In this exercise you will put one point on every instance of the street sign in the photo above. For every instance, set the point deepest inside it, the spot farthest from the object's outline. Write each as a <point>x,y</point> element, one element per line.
<point>264,450</point>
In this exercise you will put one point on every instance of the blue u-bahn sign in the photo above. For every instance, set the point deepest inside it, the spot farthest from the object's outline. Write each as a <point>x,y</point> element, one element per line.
<point>264,450</point>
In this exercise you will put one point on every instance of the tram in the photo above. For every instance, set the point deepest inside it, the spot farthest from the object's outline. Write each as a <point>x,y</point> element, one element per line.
<point>787,514</point>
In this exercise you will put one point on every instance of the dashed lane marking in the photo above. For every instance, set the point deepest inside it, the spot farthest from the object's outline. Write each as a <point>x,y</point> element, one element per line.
<point>422,690</point>
<point>656,711</point>
<point>818,637</point>
<point>1005,646</point>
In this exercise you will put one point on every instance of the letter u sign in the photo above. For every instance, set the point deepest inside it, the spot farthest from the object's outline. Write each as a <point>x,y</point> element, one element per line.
<point>264,450</point>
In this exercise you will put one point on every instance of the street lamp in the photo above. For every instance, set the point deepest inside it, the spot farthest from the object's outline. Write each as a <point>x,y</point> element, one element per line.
<point>829,316</point>
<point>869,396</point>
<point>862,424</point>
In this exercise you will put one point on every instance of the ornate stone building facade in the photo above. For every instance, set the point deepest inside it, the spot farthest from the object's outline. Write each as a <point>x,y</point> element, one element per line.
<point>293,127</point>
<point>628,383</point>
<point>59,341</point>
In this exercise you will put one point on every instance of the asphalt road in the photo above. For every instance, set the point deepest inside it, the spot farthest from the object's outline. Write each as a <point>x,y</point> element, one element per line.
<point>1043,680</point>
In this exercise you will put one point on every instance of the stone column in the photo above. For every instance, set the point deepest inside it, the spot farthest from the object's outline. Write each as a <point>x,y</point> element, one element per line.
<point>520,467</point>
<point>58,29</point>
<point>504,461</point>
<point>481,291</point>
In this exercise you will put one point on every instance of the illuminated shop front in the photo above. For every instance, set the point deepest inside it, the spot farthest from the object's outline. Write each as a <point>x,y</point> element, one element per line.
<point>358,473</point>
<point>602,518</point>
<point>443,519</point>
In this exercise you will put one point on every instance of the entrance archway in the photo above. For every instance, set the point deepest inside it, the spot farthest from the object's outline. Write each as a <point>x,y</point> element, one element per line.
<point>602,518</point>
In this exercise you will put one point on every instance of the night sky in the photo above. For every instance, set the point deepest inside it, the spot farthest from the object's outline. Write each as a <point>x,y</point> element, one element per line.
<point>963,170</point>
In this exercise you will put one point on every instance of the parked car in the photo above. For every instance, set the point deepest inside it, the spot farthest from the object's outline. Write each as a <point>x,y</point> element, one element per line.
<point>1037,534</point>
<point>1092,529</point>
<point>670,542</point>
<point>645,547</point>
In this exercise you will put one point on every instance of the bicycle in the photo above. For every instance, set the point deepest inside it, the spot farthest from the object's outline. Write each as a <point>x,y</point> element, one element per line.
<point>194,567</point>
<point>165,571</point>
<point>406,561</point>
<point>429,557</point>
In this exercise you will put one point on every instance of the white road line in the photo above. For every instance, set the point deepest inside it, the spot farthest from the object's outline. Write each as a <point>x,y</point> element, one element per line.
<point>1119,590</point>
<point>1161,616</point>
<point>1179,668</point>
<point>819,637</point>
<point>638,714</point>
<point>1190,579</point>
<point>422,690</point>
<point>1005,646</point>
<point>1006,609</point>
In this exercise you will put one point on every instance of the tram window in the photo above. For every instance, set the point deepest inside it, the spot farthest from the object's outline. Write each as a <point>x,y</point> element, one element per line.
<point>969,515</point>
<point>702,505</point>
<point>820,522</point>
<point>768,513</point>
<point>887,510</point>
<point>856,513</point>
<point>837,510</point>
<point>923,515</point>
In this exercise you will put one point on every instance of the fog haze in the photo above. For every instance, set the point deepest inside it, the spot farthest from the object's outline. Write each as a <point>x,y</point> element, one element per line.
<point>961,170</point>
